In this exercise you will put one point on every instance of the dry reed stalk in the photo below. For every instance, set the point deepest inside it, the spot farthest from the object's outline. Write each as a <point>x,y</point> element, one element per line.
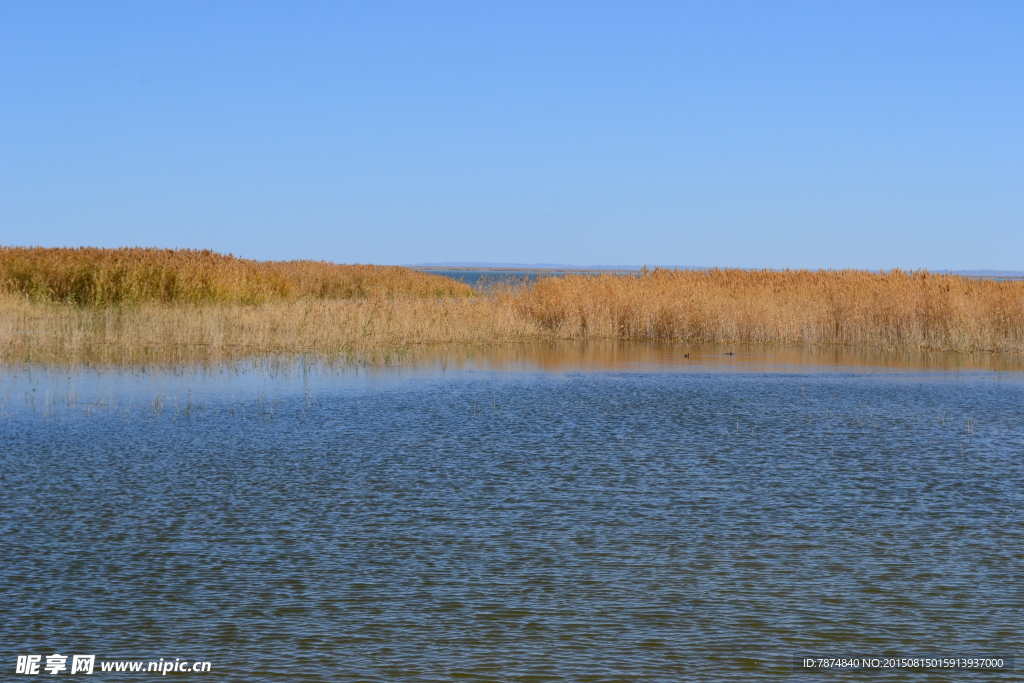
<point>104,277</point>
<point>49,332</point>
<point>891,311</point>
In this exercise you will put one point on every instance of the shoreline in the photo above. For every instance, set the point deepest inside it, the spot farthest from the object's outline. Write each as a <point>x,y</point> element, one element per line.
<point>126,303</point>
<point>564,356</point>
<point>361,331</point>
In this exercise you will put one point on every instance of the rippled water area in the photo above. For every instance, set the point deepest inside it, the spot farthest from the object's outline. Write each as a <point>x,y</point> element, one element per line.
<point>635,523</point>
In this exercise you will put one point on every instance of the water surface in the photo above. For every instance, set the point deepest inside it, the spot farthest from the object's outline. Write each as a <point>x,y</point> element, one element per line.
<point>635,520</point>
<point>487,277</point>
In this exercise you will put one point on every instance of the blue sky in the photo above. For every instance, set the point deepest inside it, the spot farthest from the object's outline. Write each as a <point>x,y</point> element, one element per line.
<point>753,134</point>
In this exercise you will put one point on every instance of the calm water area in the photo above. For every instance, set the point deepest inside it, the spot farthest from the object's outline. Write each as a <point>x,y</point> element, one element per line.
<point>619,512</point>
<point>486,277</point>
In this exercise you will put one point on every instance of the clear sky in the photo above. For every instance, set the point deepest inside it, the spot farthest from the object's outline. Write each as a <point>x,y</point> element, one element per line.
<point>752,134</point>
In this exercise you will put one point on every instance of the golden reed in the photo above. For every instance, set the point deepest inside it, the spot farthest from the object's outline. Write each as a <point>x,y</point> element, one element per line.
<point>140,305</point>
<point>894,310</point>
<point>104,277</point>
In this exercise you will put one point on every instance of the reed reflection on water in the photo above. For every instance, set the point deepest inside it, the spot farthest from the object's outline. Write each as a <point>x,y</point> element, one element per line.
<point>616,512</point>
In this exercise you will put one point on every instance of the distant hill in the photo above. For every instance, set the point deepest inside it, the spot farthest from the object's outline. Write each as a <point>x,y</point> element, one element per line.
<point>991,273</point>
<point>474,265</point>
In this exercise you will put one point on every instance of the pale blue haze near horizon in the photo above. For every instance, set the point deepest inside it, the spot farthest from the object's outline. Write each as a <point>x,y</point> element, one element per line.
<point>820,135</point>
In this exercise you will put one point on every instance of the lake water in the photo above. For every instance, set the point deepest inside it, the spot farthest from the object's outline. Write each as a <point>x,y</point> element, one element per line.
<point>619,513</point>
<point>485,277</point>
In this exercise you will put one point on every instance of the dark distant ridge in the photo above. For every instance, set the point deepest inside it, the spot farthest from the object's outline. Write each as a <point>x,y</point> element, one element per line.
<point>474,265</point>
<point>990,273</point>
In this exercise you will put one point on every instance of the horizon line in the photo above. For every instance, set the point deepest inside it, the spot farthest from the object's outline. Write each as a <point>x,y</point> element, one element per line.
<point>479,265</point>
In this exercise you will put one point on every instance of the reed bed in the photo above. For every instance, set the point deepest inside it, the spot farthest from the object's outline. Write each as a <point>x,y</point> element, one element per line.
<point>108,277</point>
<point>32,332</point>
<point>160,307</point>
<point>895,310</point>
